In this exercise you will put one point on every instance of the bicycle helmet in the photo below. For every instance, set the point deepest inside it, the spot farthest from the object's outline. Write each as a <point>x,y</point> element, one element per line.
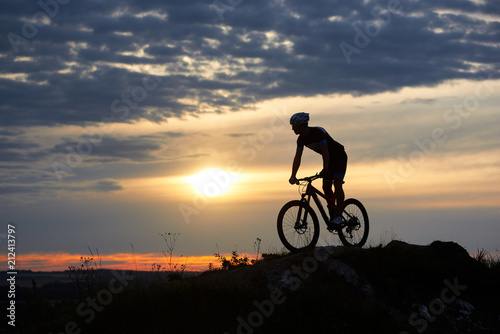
<point>299,118</point>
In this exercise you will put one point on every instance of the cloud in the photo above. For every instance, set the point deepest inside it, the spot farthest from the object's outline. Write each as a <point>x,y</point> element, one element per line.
<point>163,135</point>
<point>418,101</point>
<point>32,164</point>
<point>239,135</point>
<point>7,132</point>
<point>130,60</point>
<point>105,186</point>
<point>50,188</point>
<point>18,150</point>
<point>138,148</point>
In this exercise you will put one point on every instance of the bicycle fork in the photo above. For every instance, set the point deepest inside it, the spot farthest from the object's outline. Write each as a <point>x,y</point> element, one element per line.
<point>302,223</point>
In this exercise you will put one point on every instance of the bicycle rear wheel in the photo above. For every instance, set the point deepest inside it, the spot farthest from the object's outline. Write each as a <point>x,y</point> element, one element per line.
<point>355,232</point>
<point>298,226</point>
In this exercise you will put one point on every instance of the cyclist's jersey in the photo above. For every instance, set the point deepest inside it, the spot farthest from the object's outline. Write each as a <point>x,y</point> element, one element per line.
<point>314,137</point>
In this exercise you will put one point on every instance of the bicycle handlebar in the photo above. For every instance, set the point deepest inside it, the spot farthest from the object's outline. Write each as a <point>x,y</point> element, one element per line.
<point>308,178</point>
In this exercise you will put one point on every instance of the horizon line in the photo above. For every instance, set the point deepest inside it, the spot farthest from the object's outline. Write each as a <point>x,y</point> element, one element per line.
<point>62,261</point>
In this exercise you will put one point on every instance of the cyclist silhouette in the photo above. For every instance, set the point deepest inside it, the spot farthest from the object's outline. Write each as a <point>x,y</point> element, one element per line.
<point>334,159</point>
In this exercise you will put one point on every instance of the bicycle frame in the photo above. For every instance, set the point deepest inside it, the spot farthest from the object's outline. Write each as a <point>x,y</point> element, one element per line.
<point>311,191</point>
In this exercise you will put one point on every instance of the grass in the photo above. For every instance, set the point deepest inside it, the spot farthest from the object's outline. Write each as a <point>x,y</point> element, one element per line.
<point>219,301</point>
<point>491,261</point>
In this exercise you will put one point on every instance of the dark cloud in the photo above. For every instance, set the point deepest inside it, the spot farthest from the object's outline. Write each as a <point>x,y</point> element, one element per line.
<point>418,101</point>
<point>139,149</point>
<point>7,189</point>
<point>164,135</point>
<point>18,150</point>
<point>35,162</point>
<point>105,186</point>
<point>39,189</point>
<point>239,135</point>
<point>10,132</point>
<point>95,60</point>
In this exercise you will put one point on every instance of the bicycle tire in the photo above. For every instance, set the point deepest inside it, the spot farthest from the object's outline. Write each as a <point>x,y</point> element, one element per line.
<point>297,238</point>
<point>356,232</point>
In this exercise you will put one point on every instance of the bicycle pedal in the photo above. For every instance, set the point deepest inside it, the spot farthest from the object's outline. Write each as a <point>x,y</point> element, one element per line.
<point>332,230</point>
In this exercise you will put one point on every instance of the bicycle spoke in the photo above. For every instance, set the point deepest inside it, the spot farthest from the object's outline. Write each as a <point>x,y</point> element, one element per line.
<point>355,231</point>
<point>296,232</point>
<point>299,236</point>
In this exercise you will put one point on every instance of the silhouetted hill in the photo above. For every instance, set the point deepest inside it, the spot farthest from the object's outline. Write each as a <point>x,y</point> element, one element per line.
<point>398,288</point>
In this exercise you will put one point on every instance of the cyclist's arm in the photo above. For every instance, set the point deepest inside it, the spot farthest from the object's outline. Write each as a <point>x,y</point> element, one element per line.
<point>296,161</point>
<point>325,153</point>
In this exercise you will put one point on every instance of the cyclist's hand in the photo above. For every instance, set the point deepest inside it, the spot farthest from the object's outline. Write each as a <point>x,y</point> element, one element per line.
<point>293,180</point>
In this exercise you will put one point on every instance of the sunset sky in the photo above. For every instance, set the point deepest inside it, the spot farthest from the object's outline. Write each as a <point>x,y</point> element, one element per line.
<point>121,120</point>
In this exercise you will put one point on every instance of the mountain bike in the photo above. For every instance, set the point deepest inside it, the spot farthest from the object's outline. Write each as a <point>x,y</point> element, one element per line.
<point>298,226</point>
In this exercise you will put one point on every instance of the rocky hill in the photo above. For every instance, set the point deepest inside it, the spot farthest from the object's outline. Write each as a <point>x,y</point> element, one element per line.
<point>399,288</point>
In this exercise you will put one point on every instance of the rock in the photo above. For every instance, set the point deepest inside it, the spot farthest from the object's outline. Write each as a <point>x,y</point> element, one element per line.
<point>348,274</point>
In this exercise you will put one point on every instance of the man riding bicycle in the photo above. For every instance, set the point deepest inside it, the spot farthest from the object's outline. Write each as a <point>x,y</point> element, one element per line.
<point>334,159</point>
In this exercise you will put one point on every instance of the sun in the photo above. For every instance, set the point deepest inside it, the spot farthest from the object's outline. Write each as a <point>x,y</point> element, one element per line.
<point>212,182</point>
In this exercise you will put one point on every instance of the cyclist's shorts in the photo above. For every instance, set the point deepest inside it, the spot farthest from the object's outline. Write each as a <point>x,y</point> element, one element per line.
<point>338,165</point>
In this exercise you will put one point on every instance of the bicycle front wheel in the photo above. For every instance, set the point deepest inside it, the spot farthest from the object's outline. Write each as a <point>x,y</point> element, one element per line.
<point>298,226</point>
<point>355,231</point>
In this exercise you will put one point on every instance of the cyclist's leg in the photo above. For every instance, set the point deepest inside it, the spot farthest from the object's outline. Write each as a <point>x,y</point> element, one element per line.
<point>339,193</point>
<point>339,169</point>
<point>327,190</point>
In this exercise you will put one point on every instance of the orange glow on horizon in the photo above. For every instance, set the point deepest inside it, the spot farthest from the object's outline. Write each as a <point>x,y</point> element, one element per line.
<point>119,261</point>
